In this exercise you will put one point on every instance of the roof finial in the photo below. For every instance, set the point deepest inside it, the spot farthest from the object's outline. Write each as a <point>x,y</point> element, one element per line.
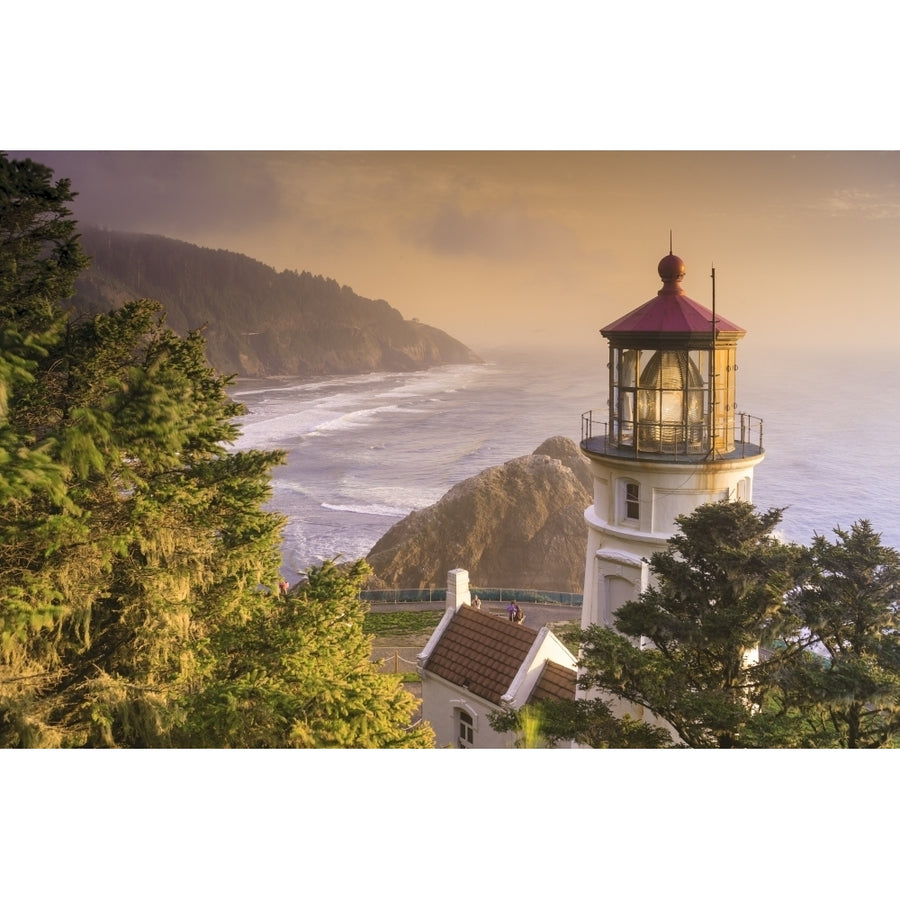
<point>670,242</point>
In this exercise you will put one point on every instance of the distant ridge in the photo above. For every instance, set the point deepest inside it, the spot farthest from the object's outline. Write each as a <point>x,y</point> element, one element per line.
<point>257,321</point>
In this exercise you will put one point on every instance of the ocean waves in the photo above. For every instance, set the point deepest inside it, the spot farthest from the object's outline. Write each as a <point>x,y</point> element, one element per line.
<point>363,452</point>
<point>375,509</point>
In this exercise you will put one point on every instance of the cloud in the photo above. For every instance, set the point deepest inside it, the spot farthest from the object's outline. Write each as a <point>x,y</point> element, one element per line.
<point>178,193</point>
<point>855,202</point>
<point>501,234</point>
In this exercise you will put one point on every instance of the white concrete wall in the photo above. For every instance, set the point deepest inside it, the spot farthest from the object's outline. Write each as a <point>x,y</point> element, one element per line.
<point>440,700</point>
<point>616,570</point>
<point>617,546</point>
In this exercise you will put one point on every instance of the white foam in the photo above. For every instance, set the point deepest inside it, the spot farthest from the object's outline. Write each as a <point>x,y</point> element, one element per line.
<point>287,384</point>
<point>356,419</point>
<point>376,509</point>
<point>283,412</point>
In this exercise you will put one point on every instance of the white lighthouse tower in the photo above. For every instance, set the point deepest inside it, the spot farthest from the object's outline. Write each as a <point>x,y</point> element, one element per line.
<point>670,439</point>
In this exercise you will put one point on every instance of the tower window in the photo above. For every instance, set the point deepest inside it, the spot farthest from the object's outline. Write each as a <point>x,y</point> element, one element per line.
<point>632,501</point>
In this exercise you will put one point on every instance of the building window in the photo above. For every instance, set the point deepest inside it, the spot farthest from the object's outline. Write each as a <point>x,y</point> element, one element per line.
<point>632,501</point>
<point>465,729</point>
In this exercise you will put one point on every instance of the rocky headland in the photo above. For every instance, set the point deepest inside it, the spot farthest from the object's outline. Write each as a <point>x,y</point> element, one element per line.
<point>257,321</point>
<point>516,525</point>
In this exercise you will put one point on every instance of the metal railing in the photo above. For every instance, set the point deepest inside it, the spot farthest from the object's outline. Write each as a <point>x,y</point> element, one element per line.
<point>669,440</point>
<point>490,595</point>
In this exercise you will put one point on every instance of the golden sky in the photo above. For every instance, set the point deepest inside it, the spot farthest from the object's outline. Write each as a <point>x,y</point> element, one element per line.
<point>512,247</point>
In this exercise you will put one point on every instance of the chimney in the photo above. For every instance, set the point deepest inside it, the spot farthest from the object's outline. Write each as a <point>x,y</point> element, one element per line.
<point>457,588</point>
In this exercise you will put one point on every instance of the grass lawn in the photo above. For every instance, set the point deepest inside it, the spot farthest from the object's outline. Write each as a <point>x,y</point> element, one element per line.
<point>401,623</point>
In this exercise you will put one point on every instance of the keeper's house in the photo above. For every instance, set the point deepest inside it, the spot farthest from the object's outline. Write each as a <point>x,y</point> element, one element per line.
<point>477,662</point>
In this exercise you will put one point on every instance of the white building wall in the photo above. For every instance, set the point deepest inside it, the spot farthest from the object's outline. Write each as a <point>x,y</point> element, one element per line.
<point>618,544</point>
<point>618,547</point>
<point>441,700</point>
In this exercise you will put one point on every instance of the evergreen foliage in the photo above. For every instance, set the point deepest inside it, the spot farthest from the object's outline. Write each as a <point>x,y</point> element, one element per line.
<point>138,565</point>
<point>851,605</point>
<point>743,641</point>
<point>590,723</point>
<point>682,649</point>
<point>301,676</point>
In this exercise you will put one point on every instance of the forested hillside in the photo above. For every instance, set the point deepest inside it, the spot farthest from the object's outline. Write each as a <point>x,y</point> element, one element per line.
<point>257,321</point>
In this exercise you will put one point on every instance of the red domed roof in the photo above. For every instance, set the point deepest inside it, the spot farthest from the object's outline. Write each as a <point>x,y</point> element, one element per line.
<point>671,311</point>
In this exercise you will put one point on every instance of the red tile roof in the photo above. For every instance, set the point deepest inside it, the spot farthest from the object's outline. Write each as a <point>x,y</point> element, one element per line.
<point>481,652</point>
<point>556,683</point>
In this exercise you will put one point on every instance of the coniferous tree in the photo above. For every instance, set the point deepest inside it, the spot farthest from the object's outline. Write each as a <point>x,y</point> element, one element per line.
<point>139,565</point>
<point>685,651</point>
<point>39,261</point>
<point>850,604</point>
<point>589,723</point>
<point>825,620</point>
<point>300,675</point>
<point>117,572</point>
<point>718,595</point>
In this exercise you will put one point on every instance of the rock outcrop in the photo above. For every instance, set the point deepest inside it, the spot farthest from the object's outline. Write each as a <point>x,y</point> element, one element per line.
<point>516,525</point>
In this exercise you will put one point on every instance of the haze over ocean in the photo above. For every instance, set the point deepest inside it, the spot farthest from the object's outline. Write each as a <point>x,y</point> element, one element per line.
<point>364,451</point>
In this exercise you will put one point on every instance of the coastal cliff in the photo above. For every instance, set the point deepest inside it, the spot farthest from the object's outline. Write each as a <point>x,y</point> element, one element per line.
<point>257,321</point>
<point>519,524</point>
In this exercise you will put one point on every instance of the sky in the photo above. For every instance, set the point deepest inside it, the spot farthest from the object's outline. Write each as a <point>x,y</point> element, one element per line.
<point>526,247</point>
<point>507,175</point>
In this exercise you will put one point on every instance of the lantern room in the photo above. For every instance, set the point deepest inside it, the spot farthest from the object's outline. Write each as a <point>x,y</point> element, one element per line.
<point>672,373</point>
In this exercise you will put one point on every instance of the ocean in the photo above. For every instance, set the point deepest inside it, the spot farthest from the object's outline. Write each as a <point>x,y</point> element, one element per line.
<point>364,451</point>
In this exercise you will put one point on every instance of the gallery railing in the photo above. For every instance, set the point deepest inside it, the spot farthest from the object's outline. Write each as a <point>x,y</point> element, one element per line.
<point>670,441</point>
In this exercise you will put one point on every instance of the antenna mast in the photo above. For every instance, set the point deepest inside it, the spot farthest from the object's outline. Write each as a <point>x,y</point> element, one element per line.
<point>713,393</point>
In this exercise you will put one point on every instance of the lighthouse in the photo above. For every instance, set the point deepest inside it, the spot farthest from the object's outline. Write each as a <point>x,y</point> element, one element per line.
<point>669,439</point>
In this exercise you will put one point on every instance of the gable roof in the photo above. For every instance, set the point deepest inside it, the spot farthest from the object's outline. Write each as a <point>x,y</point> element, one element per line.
<point>481,652</point>
<point>556,683</point>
